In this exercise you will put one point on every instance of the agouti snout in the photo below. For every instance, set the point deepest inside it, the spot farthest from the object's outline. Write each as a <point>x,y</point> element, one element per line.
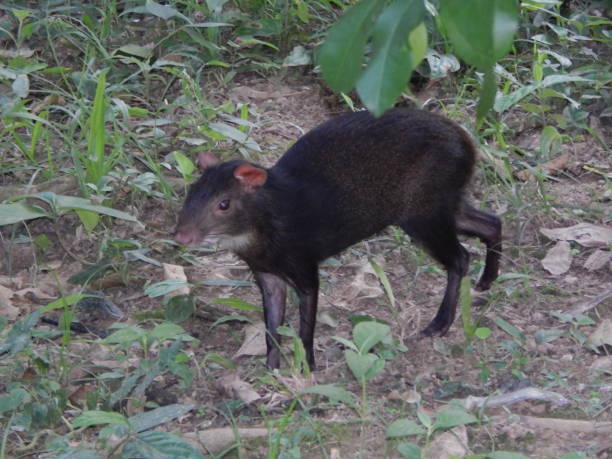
<point>342,182</point>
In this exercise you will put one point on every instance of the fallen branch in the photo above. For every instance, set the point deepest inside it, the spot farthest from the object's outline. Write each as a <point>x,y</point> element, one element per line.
<point>561,425</point>
<point>591,303</point>
<point>528,393</point>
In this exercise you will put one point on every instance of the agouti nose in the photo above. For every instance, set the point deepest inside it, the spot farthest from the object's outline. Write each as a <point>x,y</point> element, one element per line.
<point>187,238</point>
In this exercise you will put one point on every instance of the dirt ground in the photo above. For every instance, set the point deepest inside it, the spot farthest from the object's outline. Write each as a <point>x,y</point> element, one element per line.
<point>527,297</point>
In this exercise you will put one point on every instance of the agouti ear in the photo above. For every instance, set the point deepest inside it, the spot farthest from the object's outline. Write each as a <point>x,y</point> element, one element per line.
<point>250,176</point>
<point>206,159</point>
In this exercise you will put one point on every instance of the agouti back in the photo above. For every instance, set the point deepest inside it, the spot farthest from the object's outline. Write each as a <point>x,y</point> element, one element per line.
<point>342,182</point>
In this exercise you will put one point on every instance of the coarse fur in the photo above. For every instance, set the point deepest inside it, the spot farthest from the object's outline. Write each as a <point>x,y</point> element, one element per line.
<point>342,182</point>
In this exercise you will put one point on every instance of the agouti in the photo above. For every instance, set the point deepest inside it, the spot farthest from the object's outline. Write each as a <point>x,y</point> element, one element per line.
<point>342,182</point>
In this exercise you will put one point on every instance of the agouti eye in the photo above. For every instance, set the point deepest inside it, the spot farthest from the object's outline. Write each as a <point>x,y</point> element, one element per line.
<point>224,205</point>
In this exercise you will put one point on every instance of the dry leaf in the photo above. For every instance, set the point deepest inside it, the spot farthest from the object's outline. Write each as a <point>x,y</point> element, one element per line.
<point>7,309</point>
<point>234,387</point>
<point>558,259</point>
<point>254,340</point>
<point>214,441</point>
<point>175,272</point>
<point>602,334</point>
<point>585,234</point>
<point>598,259</point>
<point>449,444</point>
<point>550,167</point>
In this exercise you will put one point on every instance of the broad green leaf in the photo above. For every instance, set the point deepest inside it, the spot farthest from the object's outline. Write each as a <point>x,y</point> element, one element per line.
<point>13,400</point>
<point>135,50</point>
<point>166,331</point>
<point>482,332</point>
<point>409,450</point>
<point>159,444</point>
<point>515,332</point>
<point>481,32</point>
<point>162,11</point>
<point>358,363</point>
<point>64,301</point>
<point>403,427</point>
<point>184,165</point>
<point>341,54</point>
<point>389,69</point>
<point>452,416</point>
<point>88,218</point>
<point>179,308</point>
<point>65,203</point>
<point>19,337</point>
<point>149,419</point>
<point>19,212</point>
<point>507,455</point>
<point>94,418</point>
<point>487,94</point>
<point>125,335</point>
<point>165,287</point>
<point>346,343</point>
<point>335,394</point>
<point>366,335</point>
<point>232,133</point>
<point>237,304</point>
<point>546,336</point>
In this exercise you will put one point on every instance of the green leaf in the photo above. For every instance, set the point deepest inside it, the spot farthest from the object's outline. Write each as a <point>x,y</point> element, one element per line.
<point>403,427</point>
<point>482,332</point>
<point>341,54</point>
<point>165,287</point>
<point>13,400</point>
<point>64,301</point>
<point>480,42</point>
<point>452,416</point>
<point>515,332</point>
<point>184,165</point>
<point>88,218</point>
<point>162,11</point>
<point>158,444</point>
<point>465,304</point>
<point>94,418</point>
<point>166,331</point>
<point>384,280</point>
<point>392,62</point>
<point>97,134</point>
<point>179,308</point>
<point>232,133</point>
<point>149,419</point>
<point>505,455</point>
<point>409,450</point>
<point>237,304</point>
<point>366,335</point>
<point>358,363</point>
<point>487,94</point>
<point>125,335</point>
<point>335,394</point>
<point>19,212</point>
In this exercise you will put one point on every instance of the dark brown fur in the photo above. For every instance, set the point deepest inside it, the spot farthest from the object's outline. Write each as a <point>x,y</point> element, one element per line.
<point>342,182</point>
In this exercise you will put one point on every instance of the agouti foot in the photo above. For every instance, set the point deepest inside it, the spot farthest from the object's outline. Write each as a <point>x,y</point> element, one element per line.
<point>436,328</point>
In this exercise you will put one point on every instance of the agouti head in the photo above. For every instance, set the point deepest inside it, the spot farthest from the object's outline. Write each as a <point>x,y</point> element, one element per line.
<point>218,204</point>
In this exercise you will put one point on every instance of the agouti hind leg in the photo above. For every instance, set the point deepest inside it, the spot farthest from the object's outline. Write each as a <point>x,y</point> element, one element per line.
<point>488,229</point>
<point>438,236</point>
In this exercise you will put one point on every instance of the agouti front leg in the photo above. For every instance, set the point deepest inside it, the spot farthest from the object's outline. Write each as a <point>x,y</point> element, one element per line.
<point>308,293</point>
<point>274,294</point>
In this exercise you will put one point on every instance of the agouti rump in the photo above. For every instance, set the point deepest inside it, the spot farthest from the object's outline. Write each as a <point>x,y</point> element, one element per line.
<point>342,182</point>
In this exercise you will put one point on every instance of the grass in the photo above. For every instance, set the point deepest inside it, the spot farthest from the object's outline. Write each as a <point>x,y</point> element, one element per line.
<point>102,110</point>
